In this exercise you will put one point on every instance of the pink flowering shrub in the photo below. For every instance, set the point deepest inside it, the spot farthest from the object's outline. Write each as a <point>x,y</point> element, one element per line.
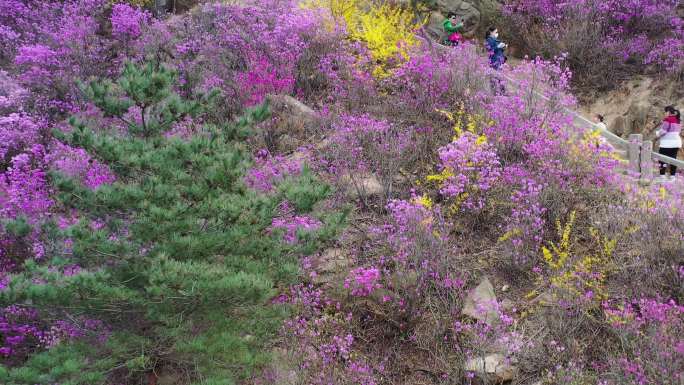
<point>657,359</point>
<point>18,131</point>
<point>469,168</point>
<point>292,225</point>
<point>407,230</point>
<point>23,329</point>
<point>414,287</point>
<point>430,81</point>
<point>333,72</point>
<point>261,79</point>
<point>23,22</point>
<point>270,170</point>
<point>127,20</point>
<point>25,199</point>
<point>437,79</point>
<point>500,185</point>
<point>650,221</point>
<point>362,282</point>
<point>623,37</point>
<point>368,146</point>
<point>244,58</point>
<point>668,55</point>
<point>25,191</point>
<point>49,61</point>
<point>12,95</point>
<point>525,128</point>
<point>524,232</point>
<point>76,163</point>
<point>326,351</point>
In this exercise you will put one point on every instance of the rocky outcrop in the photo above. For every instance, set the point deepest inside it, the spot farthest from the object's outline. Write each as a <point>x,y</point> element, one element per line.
<point>635,108</point>
<point>481,303</point>
<point>496,367</point>
<point>362,185</point>
<point>330,265</point>
<point>475,14</point>
<point>287,104</point>
<point>462,8</point>
<point>294,121</point>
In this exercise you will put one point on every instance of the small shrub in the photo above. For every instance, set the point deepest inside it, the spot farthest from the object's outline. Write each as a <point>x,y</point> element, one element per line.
<point>604,41</point>
<point>365,147</point>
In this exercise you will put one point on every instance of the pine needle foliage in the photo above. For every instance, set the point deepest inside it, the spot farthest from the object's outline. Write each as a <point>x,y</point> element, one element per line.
<point>181,265</point>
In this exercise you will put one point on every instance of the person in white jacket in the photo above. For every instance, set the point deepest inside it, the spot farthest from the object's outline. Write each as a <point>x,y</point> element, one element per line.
<point>599,120</point>
<point>670,139</point>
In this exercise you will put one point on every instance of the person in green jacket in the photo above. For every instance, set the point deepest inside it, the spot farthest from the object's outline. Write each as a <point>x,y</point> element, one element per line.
<point>452,27</point>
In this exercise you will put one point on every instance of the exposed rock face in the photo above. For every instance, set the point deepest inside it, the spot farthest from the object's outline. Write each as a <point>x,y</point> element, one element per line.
<point>481,303</point>
<point>286,103</point>
<point>475,13</point>
<point>293,125</point>
<point>462,9</point>
<point>637,116</point>
<point>495,366</point>
<point>330,264</point>
<point>366,185</point>
<point>636,107</point>
<point>434,25</point>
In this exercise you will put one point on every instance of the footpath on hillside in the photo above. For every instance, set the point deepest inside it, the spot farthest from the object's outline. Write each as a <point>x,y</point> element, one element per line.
<point>636,160</point>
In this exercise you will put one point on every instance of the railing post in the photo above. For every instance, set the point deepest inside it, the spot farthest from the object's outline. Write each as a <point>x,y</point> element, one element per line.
<point>160,7</point>
<point>646,161</point>
<point>634,152</point>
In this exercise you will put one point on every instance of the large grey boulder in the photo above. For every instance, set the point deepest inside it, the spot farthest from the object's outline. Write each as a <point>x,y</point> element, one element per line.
<point>474,12</point>
<point>638,116</point>
<point>294,124</point>
<point>434,25</point>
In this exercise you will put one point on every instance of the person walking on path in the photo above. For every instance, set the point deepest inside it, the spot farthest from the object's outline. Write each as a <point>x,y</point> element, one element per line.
<point>452,28</point>
<point>670,140</point>
<point>600,122</point>
<point>601,127</point>
<point>495,48</point>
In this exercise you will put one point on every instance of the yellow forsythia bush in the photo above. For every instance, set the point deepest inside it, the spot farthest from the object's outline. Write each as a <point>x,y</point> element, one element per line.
<point>580,276</point>
<point>386,29</point>
<point>136,3</point>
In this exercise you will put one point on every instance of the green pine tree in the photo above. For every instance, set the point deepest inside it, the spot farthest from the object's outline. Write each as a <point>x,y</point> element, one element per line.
<point>183,268</point>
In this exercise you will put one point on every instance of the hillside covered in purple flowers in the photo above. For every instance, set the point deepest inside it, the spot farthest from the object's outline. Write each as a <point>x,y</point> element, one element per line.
<point>319,192</point>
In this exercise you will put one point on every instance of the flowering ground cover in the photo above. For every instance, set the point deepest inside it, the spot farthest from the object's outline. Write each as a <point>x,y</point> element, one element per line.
<point>154,228</point>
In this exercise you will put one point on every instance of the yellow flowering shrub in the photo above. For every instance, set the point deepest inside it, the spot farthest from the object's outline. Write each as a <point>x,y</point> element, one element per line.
<point>475,140</point>
<point>137,3</point>
<point>575,275</point>
<point>340,10</point>
<point>591,138</point>
<point>386,29</point>
<point>424,201</point>
<point>466,122</point>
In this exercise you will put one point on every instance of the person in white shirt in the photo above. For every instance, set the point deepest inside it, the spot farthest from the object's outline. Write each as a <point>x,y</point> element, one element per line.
<point>600,125</point>
<point>599,120</point>
<point>670,140</point>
